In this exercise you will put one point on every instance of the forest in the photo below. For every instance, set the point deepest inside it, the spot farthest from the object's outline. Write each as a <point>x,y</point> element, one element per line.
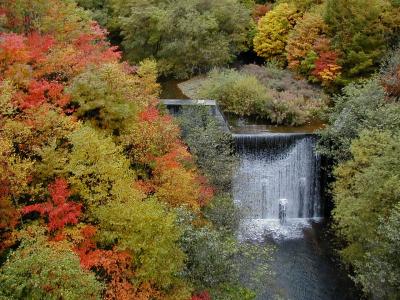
<point>105,195</point>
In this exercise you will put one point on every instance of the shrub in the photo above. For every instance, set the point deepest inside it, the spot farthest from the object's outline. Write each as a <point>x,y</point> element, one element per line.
<point>259,11</point>
<point>292,109</point>
<point>212,148</point>
<point>303,5</point>
<point>309,50</point>
<point>366,212</point>
<point>224,214</point>
<point>363,140</point>
<point>218,262</point>
<point>301,40</point>
<point>237,93</point>
<point>148,231</point>
<point>268,93</point>
<point>380,275</point>
<point>40,269</point>
<point>361,106</point>
<point>361,31</point>
<point>110,97</point>
<point>280,80</point>
<point>390,74</point>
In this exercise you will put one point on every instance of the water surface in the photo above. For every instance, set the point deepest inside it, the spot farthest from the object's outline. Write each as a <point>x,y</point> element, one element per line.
<point>170,90</point>
<point>275,166</point>
<point>279,162</point>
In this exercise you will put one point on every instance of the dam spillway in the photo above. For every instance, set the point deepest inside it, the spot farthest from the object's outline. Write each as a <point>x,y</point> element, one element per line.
<point>277,168</point>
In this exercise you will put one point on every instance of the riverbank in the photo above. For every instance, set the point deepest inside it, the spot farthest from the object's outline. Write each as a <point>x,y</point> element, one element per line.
<point>304,264</point>
<point>176,89</point>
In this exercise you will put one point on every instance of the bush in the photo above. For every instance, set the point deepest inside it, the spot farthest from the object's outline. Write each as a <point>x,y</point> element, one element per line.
<point>361,31</point>
<point>268,93</point>
<point>110,97</point>
<point>380,275</point>
<point>366,195</point>
<point>56,67</point>
<point>40,269</point>
<point>280,80</point>
<point>362,106</point>
<point>363,139</point>
<point>390,74</point>
<point>224,214</point>
<point>292,109</point>
<point>302,38</point>
<point>237,93</point>
<point>218,262</point>
<point>211,147</point>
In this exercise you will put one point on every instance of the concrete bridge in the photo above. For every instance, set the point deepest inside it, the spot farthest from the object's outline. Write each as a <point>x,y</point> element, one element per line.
<point>175,105</point>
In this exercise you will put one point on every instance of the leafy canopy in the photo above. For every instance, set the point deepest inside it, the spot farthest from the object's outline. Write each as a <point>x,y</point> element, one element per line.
<point>362,31</point>
<point>273,30</point>
<point>210,32</point>
<point>366,194</point>
<point>40,269</point>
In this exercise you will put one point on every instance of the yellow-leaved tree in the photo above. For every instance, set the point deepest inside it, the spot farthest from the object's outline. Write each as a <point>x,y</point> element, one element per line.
<point>273,30</point>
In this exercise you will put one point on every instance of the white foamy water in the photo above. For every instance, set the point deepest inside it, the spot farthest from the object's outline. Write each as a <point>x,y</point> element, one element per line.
<point>277,168</point>
<point>278,185</point>
<point>259,229</point>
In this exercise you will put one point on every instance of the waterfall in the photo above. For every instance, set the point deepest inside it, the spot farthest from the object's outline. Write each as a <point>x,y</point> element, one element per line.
<point>278,177</point>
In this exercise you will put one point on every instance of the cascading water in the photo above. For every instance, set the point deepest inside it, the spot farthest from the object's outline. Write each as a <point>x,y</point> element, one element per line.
<point>277,182</point>
<point>278,185</point>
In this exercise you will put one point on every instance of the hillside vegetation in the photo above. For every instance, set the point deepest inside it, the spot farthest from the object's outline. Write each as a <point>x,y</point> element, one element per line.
<point>103,195</point>
<point>99,196</point>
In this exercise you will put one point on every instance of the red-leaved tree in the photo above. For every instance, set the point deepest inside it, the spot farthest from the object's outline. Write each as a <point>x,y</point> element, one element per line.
<point>202,296</point>
<point>58,210</point>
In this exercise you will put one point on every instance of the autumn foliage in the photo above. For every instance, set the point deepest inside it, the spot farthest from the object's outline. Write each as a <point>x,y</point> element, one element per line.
<point>168,170</point>
<point>273,30</point>
<point>202,296</point>
<point>309,50</point>
<point>58,210</point>
<point>259,11</point>
<point>8,222</point>
<point>82,142</point>
<point>326,68</point>
<point>328,42</point>
<point>115,266</point>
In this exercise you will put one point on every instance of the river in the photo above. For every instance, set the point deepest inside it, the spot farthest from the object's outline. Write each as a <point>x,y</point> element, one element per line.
<point>278,185</point>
